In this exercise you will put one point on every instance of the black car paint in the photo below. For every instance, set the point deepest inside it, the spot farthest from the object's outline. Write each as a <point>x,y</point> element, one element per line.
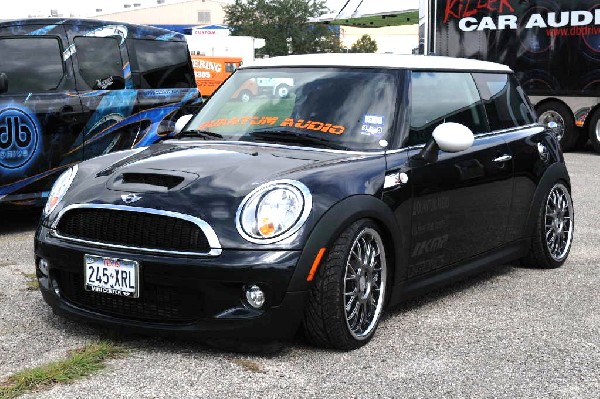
<point>486,199</point>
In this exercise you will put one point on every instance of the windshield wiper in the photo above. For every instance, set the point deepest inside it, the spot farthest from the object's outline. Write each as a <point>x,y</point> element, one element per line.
<point>287,136</point>
<point>201,134</point>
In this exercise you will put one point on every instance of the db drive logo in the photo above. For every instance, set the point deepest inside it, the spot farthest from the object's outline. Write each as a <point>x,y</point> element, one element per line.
<point>18,138</point>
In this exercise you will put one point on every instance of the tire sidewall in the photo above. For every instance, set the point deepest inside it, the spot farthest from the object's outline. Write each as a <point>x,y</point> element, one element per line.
<point>359,227</point>
<point>551,263</point>
<point>592,131</point>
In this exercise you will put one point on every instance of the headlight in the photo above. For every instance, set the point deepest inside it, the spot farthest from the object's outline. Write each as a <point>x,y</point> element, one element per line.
<point>273,211</point>
<point>61,185</point>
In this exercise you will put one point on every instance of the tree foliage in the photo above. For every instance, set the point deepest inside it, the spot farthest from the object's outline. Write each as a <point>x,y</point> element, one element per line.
<point>283,24</point>
<point>364,45</point>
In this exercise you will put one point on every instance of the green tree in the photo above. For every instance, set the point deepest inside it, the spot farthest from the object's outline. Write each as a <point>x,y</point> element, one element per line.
<point>364,45</point>
<point>283,24</point>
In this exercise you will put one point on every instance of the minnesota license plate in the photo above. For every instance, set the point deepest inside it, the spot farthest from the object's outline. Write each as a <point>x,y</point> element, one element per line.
<point>112,276</point>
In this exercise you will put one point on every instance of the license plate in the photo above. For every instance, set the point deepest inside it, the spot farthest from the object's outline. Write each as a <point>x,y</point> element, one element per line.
<point>112,276</point>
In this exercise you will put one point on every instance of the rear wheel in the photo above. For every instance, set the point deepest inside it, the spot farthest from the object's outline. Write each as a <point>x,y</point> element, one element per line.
<point>245,96</point>
<point>282,91</point>
<point>554,230</point>
<point>347,298</point>
<point>566,133</point>
<point>594,131</point>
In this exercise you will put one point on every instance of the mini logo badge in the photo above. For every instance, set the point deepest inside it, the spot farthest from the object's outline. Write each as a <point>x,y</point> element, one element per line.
<point>130,198</point>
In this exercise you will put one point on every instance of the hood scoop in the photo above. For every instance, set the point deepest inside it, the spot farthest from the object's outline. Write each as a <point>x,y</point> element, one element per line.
<point>151,180</point>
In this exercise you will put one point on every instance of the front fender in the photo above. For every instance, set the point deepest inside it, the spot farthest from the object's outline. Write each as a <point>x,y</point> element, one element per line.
<point>335,220</point>
<point>555,172</point>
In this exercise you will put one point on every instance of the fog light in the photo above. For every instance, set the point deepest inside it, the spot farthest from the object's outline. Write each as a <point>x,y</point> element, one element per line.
<point>255,296</point>
<point>54,286</point>
<point>43,266</point>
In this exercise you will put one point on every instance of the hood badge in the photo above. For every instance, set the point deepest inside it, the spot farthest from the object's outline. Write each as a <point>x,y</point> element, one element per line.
<point>130,198</point>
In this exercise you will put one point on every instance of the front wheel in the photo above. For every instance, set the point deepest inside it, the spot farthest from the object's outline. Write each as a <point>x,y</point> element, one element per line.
<point>347,298</point>
<point>554,230</point>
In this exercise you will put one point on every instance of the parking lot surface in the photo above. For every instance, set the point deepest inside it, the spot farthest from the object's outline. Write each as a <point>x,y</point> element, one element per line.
<point>513,332</point>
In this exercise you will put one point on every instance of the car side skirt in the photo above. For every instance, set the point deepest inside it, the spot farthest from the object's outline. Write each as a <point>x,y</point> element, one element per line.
<point>487,261</point>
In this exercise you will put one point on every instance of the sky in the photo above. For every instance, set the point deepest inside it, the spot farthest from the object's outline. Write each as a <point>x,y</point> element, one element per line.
<point>79,7</point>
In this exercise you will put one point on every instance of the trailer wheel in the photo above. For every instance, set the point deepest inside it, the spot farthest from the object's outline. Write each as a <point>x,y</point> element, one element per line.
<point>594,131</point>
<point>566,133</point>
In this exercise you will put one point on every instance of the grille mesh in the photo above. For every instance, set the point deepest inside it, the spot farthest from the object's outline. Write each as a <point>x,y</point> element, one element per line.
<point>156,303</point>
<point>135,229</point>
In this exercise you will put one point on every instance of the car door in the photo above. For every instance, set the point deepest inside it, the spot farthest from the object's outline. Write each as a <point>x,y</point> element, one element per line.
<point>512,117</point>
<point>163,75</point>
<point>40,113</point>
<point>461,201</point>
<point>105,86</point>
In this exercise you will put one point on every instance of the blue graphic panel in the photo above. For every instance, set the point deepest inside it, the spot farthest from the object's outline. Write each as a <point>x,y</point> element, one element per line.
<point>19,137</point>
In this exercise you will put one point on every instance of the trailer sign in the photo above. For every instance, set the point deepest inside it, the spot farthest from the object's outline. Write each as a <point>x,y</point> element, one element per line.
<point>553,46</point>
<point>573,19</point>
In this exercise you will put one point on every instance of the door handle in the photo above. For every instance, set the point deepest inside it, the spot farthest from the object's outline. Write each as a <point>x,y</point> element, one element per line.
<point>502,159</point>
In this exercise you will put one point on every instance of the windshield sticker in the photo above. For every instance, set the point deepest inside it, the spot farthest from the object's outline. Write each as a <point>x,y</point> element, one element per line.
<point>371,130</point>
<point>242,120</point>
<point>313,125</point>
<point>374,120</point>
<point>272,121</point>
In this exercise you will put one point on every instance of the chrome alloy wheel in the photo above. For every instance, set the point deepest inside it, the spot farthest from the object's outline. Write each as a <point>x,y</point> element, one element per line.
<point>597,130</point>
<point>553,116</point>
<point>558,229</point>
<point>364,283</point>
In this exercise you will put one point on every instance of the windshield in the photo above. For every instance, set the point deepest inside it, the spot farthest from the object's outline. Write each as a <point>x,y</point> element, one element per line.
<point>315,107</point>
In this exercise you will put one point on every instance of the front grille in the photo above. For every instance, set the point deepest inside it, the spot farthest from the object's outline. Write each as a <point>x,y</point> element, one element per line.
<point>156,303</point>
<point>153,179</point>
<point>133,229</point>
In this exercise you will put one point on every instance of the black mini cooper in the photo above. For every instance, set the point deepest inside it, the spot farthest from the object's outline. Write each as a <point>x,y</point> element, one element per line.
<point>361,181</point>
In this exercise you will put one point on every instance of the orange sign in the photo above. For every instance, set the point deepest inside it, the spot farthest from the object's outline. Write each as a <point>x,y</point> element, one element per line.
<point>210,72</point>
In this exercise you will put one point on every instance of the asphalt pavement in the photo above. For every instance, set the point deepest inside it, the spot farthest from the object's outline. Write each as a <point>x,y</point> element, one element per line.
<point>514,332</point>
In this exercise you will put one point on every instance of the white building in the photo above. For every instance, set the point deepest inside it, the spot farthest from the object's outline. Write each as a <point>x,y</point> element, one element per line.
<point>390,39</point>
<point>164,12</point>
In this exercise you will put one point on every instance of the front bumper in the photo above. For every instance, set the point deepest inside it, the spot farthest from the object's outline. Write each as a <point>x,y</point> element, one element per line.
<point>185,296</point>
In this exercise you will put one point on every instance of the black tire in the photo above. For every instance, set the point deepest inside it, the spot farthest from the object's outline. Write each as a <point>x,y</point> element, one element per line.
<point>542,255</point>
<point>282,91</point>
<point>325,321</point>
<point>594,131</point>
<point>554,111</point>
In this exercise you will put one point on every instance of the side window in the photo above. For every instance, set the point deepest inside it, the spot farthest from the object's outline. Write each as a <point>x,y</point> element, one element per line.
<point>505,102</point>
<point>438,97</point>
<point>31,64</point>
<point>100,63</point>
<point>162,64</point>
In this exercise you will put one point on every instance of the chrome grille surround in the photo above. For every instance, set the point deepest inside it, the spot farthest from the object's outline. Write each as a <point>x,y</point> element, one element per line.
<point>211,236</point>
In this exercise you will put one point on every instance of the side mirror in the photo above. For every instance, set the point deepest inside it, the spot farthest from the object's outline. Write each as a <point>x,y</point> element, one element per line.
<point>453,137</point>
<point>448,137</point>
<point>181,122</point>
<point>3,83</point>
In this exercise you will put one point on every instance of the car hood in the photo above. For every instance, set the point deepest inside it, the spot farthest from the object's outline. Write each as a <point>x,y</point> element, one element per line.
<point>210,180</point>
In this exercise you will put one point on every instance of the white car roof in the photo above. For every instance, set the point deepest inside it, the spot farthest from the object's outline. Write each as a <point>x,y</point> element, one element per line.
<point>425,62</point>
